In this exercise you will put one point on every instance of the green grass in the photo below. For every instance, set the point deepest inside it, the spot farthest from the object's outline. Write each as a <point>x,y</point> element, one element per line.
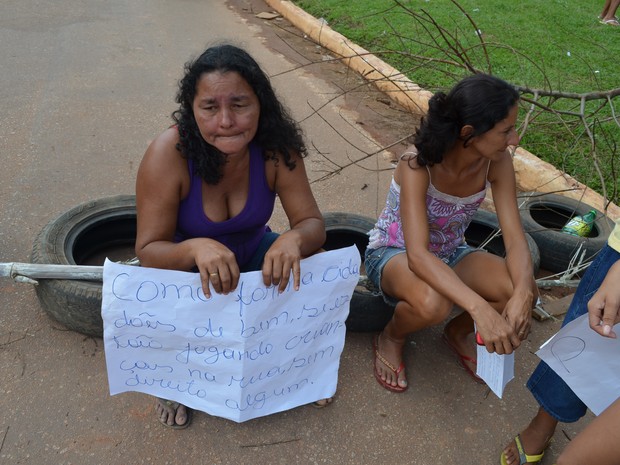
<point>552,44</point>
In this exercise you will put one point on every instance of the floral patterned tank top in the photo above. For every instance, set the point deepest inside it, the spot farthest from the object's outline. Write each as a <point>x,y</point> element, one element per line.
<point>448,218</point>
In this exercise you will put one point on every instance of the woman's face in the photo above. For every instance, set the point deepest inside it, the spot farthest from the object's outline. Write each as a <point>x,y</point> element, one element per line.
<point>226,111</point>
<point>493,143</point>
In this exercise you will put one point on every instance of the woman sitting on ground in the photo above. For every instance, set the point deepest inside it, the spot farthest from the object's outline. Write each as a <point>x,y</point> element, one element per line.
<point>417,254</point>
<point>206,186</point>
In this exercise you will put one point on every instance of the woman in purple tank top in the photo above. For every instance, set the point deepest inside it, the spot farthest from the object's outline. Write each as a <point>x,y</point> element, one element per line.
<point>417,253</point>
<point>206,186</point>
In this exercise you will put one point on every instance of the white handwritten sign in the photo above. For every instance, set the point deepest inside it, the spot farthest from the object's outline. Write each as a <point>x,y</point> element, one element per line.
<point>586,361</point>
<point>240,356</point>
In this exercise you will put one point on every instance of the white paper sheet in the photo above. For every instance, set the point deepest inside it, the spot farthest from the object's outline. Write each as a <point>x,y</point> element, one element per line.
<point>251,353</point>
<point>588,362</point>
<point>496,370</point>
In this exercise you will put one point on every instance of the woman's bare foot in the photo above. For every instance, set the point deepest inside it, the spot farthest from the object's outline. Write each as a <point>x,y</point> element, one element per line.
<point>389,366</point>
<point>172,413</point>
<point>534,438</point>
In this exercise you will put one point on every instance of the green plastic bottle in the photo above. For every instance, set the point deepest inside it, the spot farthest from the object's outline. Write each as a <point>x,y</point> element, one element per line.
<point>580,225</point>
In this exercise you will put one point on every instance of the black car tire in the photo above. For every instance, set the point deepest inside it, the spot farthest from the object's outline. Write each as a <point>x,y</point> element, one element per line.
<point>483,230</point>
<point>87,233</point>
<point>368,311</point>
<point>84,235</point>
<point>544,215</point>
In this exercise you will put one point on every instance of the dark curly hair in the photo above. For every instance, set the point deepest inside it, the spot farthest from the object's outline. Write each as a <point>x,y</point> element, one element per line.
<point>278,134</point>
<point>479,100</point>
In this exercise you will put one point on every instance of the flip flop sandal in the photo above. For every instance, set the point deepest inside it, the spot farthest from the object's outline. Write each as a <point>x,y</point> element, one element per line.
<point>523,457</point>
<point>323,403</point>
<point>396,371</point>
<point>175,406</point>
<point>463,360</point>
<point>610,22</point>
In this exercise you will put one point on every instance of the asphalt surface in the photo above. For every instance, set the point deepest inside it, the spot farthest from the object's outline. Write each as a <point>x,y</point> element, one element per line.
<point>85,86</point>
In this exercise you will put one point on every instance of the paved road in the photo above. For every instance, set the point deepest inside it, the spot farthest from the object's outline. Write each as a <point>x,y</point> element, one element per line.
<point>85,86</point>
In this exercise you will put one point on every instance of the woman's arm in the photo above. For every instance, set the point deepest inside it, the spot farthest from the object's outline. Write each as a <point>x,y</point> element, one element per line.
<point>307,228</point>
<point>518,259</point>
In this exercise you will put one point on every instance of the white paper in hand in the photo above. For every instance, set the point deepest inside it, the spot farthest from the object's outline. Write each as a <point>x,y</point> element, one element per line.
<point>586,361</point>
<point>496,370</point>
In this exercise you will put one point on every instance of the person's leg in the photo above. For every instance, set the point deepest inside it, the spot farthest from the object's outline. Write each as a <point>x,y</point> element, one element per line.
<point>534,438</point>
<point>419,306</point>
<point>256,261</point>
<point>605,9</point>
<point>598,443</point>
<point>556,400</point>
<point>609,12</point>
<point>487,275</point>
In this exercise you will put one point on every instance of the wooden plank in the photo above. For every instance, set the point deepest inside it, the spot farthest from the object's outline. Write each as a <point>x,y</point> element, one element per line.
<point>45,271</point>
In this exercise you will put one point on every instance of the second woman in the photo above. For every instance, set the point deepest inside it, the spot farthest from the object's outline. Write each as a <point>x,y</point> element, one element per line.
<point>417,254</point>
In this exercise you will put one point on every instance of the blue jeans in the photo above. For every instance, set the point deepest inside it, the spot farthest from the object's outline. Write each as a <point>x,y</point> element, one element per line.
<point>551,392</point>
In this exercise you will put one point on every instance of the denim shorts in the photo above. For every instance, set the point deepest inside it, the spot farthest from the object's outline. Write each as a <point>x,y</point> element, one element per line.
<point>549,390</point>
<point>376,259</point>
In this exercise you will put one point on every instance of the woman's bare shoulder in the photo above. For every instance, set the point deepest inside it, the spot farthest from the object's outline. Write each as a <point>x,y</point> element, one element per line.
<point>163,149</point>
<point>408,165</point>
<point>164,142</point>
<point>498,169</point>
<point>410,154</point>
<point>163,162</point>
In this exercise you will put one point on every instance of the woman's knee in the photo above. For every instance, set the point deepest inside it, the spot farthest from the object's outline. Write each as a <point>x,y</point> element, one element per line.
<point>504,290</point>
<point>488,276</point>
<point>429,307</point>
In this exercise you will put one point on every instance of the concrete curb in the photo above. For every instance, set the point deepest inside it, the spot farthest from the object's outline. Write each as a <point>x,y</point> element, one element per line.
<point>532,173</point>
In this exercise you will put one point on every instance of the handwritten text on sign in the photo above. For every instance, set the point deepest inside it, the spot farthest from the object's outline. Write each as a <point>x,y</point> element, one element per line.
<point>247,354</point>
